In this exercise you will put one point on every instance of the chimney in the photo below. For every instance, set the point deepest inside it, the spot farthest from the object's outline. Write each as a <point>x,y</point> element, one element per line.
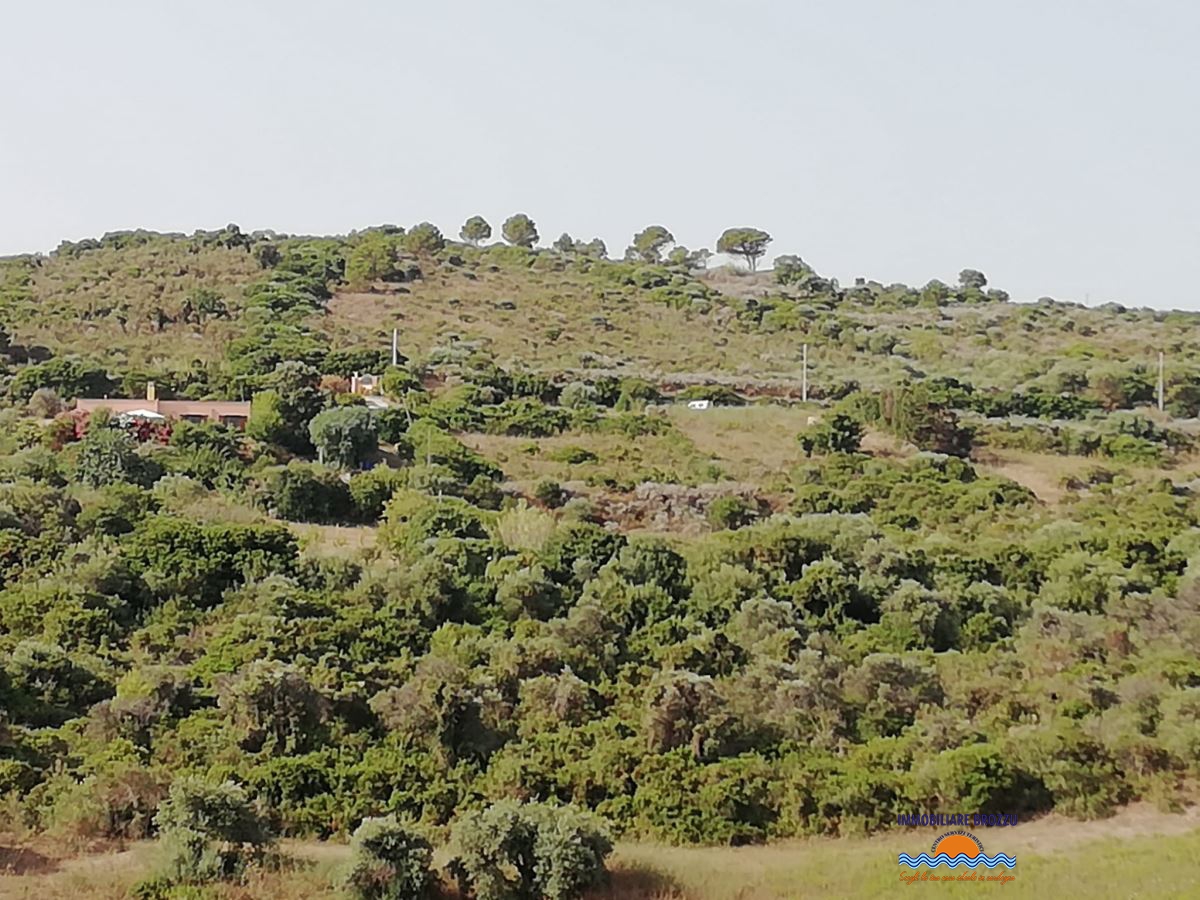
<point>151,393</point>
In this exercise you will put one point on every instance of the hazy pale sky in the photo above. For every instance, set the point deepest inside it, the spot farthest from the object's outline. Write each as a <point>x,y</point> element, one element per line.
<point>1053,144</point>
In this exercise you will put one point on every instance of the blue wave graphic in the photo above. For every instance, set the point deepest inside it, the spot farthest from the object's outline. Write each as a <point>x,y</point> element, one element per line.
<point>953,862</point>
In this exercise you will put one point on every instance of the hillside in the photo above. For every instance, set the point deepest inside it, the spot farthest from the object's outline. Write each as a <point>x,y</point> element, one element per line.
<point>527,602</point>
<point>133,301</point>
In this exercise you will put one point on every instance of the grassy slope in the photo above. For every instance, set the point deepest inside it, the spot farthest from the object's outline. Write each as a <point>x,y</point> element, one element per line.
<point>561,316</point>
<point>106,303</point>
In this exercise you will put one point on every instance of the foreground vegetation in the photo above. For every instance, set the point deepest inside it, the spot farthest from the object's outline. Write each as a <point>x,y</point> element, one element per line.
<point>535,601</point>
<point>1149,865</point>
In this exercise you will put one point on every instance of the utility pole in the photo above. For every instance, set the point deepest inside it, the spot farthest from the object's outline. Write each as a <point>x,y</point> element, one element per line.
<point>1160,381</point>
<point>395,346</point>
<point>804,376</point>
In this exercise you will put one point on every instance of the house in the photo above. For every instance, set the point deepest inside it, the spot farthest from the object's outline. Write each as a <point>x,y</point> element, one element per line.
<point>233,413</point>
<point>365,385</point>
<point>368,387</point>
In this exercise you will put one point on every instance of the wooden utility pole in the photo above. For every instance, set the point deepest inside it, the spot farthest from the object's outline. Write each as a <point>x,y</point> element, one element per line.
<point>1160,381</point>
<point>804,375</point>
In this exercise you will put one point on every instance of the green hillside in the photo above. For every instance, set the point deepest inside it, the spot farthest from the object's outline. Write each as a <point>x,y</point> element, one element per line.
<point>167,303</point>
<point>528,602</point>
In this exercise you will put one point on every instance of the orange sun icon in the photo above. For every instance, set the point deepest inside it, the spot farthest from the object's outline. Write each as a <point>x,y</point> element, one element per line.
<point>957,845</point>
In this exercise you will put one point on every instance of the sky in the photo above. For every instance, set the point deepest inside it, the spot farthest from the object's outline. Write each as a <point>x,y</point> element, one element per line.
<point>1052,144</point>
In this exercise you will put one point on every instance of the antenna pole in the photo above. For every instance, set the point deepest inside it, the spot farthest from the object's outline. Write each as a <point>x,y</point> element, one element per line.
<point>1160,381</point>
<point>804,376</point>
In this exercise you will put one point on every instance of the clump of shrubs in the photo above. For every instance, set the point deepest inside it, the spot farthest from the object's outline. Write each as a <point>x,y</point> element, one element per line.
<point>550,494</point>
<point>209,832</point>
<point>389,860</point>
<point>531,850</point>
<point>730,512</point>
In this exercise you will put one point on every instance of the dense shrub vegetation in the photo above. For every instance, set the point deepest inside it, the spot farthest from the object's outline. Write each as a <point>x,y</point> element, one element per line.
<point>519,657</point>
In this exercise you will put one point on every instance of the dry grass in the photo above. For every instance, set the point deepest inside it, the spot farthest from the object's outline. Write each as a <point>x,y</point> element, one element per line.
<point>334,540</point>
<point>753,443</point>
<point>1046,474</point>
<point>1140,852</point>
<point>526,460</point>
<point>1042,473</point>
<point>109,303</point>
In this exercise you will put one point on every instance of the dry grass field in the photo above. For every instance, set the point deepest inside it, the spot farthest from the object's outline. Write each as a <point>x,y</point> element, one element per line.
<point>1139,852</point>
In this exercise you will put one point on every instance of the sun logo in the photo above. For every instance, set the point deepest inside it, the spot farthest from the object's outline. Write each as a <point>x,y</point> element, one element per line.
<point>957,844</point>
<point>957,848</point>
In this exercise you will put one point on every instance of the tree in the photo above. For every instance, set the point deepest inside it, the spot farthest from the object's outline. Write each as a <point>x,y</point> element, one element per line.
<point>520,230</point>
<point>424,238</point>
<point>300,399</point>
<point>649,243</point>
<point>912,415</point>
<point>1183,400</point>
<point>730,512</point>
<point>972,278</point>
<point>203,303</point>
<point>266,422</point>
<point>565,244</point>
<point>280,414</point>
<point>475,230</point>
<point>748,243</point>
<point>69,376</point>
<point>344,436</point>
<point>373,259</point>
<point>308,492</point>
<point>359,361</point>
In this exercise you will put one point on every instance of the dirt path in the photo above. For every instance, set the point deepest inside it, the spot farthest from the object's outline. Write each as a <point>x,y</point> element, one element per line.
<point>1054,833</point>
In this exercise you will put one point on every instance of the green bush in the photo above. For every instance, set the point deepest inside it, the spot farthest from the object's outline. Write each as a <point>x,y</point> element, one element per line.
<point>209,832</point>
<point>532,851</point>
<point>344,436</point>
<point>573,456</point>
<point>389,860</point>
<point>308,492</point>
<point>549,493</point>
<point>526,417</point>
<point>371,490</point>
<point>840,434</point>
<point>731,512</point>
<point>110,456</point>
